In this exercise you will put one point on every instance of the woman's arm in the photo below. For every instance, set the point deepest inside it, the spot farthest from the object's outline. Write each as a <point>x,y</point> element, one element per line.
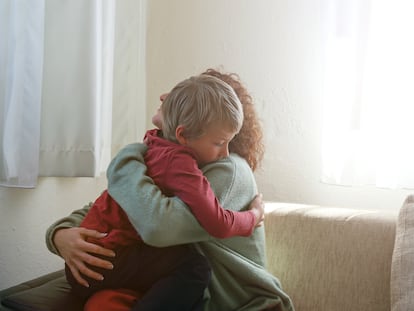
<point>73,220</point>
<point>66,239</point>
<point>163,221</point>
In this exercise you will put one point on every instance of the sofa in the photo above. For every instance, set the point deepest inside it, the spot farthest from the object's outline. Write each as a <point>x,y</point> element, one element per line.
<point>327,259</point>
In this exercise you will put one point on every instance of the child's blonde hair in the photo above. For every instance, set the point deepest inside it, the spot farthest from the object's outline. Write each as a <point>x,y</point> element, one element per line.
<point>199,102</point>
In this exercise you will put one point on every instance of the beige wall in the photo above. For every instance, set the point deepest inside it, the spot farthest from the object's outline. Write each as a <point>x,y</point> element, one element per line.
<point>275,47</point>
<point>25,216</point>
<point>272,44</point>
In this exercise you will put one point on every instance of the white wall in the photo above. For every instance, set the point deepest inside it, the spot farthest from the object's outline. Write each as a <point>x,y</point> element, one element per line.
<point>25,216</point>
<point>275,47</point>
<point>272,44</point>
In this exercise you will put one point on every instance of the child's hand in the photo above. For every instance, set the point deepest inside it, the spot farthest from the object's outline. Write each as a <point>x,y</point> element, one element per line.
<point>257,207</point>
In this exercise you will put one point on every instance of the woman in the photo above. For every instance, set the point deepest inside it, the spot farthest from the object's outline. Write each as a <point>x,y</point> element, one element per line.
<point>240,281</point>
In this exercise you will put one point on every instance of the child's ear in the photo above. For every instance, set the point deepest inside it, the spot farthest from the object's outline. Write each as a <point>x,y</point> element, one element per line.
<point>179,135</point>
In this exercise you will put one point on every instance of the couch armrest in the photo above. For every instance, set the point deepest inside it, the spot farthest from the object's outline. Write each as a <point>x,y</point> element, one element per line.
<point>50,292</point>
<point>331,258</point>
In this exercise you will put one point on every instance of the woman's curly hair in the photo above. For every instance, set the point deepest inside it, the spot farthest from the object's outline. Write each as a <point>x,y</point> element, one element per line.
<point>248,143</point>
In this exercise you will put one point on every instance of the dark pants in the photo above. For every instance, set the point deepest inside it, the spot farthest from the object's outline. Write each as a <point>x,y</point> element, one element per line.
<point>172,278</point>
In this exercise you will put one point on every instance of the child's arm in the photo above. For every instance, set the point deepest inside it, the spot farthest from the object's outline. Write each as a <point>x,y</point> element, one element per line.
<point>186,181</point>
<point>167,220</point>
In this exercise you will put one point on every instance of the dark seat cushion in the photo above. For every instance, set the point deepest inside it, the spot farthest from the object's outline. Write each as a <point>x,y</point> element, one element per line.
<point>50,292</point>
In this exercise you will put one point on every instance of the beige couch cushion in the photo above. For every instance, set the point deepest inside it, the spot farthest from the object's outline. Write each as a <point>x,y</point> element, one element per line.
<point>402,271</point>
<point>331,259</point>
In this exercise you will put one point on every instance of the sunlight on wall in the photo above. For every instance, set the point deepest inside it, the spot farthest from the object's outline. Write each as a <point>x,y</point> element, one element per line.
<point>369,99</point>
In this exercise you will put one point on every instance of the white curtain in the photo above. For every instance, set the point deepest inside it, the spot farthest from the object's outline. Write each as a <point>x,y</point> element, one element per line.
<point>21,65</point>
<point>75,127</point>
<point>368,93</point>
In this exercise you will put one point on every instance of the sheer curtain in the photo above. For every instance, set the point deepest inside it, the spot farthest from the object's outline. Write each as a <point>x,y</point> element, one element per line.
<point>76,89</point>
<point>368,93</point>
<point>21,66</point>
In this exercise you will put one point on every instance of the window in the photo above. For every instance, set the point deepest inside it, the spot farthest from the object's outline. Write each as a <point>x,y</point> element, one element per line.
<point>56,111</point>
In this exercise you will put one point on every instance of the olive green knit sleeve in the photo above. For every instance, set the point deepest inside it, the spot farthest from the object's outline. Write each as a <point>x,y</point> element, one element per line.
<point>73,220</point>
<point>165,221</point>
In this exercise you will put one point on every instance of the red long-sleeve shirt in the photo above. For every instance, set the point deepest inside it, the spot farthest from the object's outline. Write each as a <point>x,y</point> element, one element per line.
<point>174,169</point>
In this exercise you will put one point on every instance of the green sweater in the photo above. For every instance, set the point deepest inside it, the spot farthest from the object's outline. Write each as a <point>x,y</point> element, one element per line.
<point>239,281</point>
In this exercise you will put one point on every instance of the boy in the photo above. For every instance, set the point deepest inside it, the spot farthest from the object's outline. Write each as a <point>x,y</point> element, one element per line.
<point>198,118</point>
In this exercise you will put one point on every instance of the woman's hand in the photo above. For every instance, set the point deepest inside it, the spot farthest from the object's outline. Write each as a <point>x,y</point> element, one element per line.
<point>257,207</point>
<point>77,252</point>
